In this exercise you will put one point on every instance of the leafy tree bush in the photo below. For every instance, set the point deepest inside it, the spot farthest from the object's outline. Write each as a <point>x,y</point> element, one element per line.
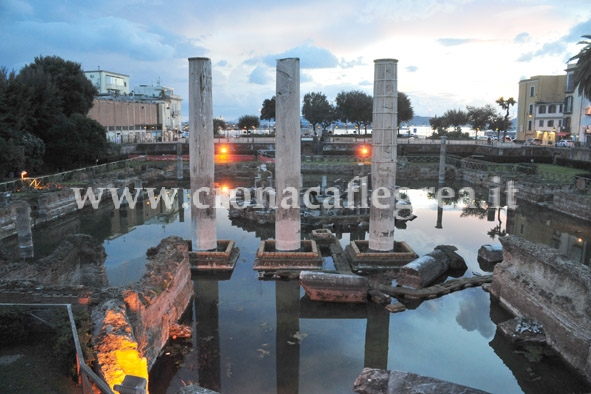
<point>44,123</point>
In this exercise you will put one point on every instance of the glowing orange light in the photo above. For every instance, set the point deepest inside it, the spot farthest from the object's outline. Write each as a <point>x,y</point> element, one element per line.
<point>223,150</point>
<point>225,189</point>
<point>23,174</point>
<point>364,151</point>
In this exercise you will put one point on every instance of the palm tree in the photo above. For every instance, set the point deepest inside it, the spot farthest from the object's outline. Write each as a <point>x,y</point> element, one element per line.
<point>582,74</point>
<point>506,105</point>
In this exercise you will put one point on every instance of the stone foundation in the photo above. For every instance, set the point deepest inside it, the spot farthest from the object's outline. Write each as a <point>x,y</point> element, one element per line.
<point>222,259</point>
<point>535,281</point>
<point>363,259</point>
<point>269,259</point>
<point>131,330</point>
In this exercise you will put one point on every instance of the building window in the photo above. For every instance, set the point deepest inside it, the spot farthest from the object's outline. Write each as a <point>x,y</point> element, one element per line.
<point>568,105</point>
<point>541,123</point>
<point>552,109</point>
<point>570,82</point>
<point>559,123</point>
<point>531,109</point>
<point>531,91</point>
<point>550,123</point>
<point>560,108</point>
<point>529,125</point>
<point>542,109</point>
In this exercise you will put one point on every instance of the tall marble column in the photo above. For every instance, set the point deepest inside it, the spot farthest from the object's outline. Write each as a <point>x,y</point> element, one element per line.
<point>383,158</point>
<point>288,155</point>
<point>442,160</point>
<point>201,153</point>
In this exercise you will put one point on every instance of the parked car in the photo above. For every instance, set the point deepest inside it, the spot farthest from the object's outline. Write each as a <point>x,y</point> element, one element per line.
<point>567,143</point>
<point>533,141</point>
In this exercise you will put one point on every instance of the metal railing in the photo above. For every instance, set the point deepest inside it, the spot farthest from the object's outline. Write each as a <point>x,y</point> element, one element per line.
<point>85,373</point>
<point>67,176</point>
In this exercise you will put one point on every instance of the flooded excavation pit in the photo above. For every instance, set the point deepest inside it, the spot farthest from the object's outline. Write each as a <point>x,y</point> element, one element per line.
<point>268,258</point>
<point>222,259</point>
<point>363,258</point>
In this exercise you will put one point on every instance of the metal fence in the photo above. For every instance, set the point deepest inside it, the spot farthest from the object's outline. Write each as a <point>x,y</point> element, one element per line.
<point>67,176</point>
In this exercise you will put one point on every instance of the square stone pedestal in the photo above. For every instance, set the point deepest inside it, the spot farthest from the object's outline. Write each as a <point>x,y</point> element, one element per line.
<point>364,259</point>
<point>308,257</point>
<point>222,259</point>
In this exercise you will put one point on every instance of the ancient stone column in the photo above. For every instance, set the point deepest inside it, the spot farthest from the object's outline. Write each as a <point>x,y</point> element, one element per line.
<point>288,155</point>
<point>201,154</point>
<point>23,230</point>
<point>442,160</point>
<point>383,158</point>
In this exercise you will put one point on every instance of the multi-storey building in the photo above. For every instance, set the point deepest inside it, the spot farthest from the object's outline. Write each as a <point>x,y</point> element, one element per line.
<point>577,110</point>
<point>540,108</point>
<point>149,113</point>
<point>108,82</point>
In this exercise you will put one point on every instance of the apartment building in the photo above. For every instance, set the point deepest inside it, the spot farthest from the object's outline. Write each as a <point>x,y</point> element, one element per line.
<point>108,82</point>
<point>540,108</point>
<point>577,110</point>
<point>148,113</point>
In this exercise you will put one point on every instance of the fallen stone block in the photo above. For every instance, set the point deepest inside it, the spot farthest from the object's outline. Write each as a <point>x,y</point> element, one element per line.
<point>426,269</point>
<point>410,383</point>
<point>329,287</point>
<point>491,253</point>
<point>379,381</point>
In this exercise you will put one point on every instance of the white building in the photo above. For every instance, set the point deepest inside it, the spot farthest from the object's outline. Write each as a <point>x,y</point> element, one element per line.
<point>577,110</point>
<point>149,113</point>
<point>169,110</point>
<point>109,83</point>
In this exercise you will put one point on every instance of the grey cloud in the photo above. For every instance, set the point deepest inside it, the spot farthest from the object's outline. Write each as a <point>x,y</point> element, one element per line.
<point>522,38</point>
<point>351,63</point>
<point>259,76</point>
<point>310,57</point>
<point>412,69</point>
<point>448,42</point>
<point>558,47</point>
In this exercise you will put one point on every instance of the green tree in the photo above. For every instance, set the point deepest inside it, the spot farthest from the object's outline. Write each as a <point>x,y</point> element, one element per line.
<point>77,140</point>
<point>480,118</point>
<point>405,110</point>
<point>218,126</point>
<point>248,122</point>
<point>355,107</point>
<point>318,111</point>
<point>74,91</point>
<point>268,109</point>
<point>582,73</point>
<point>505,105</point>
<point>453,117</point>
<point>44,110</point>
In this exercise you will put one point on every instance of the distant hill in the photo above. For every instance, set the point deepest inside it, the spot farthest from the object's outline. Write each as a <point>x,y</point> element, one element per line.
<point>419,121</point>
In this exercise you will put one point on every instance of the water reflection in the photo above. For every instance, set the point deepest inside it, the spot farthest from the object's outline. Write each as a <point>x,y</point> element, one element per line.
<point>266,337</point>
<point>472,316</point>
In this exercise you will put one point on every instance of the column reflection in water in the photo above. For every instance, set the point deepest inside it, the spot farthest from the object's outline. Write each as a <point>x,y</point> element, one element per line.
<point>287,304</point>
<point>207,333</point>
<point>377,336</point>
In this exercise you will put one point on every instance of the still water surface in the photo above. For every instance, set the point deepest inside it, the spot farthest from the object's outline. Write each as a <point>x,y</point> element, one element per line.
<point>259,336</point>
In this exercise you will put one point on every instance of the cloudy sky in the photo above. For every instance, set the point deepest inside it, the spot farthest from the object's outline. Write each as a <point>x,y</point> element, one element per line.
<point>451,53</point>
